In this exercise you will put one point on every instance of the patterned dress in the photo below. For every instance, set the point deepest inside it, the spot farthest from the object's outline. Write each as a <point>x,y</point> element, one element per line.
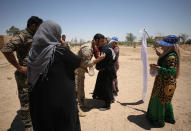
<point>160,107</point>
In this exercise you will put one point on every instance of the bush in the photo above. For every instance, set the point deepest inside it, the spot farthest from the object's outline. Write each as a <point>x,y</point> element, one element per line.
<point>124,43</point>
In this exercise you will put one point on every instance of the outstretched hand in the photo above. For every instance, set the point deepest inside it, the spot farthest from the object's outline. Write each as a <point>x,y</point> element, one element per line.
<point>22,69</point>
<point>100,58</point>
<point>154,67</point>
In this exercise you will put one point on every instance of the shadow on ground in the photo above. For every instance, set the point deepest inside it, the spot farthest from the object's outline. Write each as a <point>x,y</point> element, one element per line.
<point>140,120</point>
<point>17,124</point>
<point>93,103</point>
<point>133,103</point>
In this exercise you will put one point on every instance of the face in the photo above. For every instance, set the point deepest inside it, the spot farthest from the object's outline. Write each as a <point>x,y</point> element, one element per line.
<point>115,44</point>
<point>34,28</point>
<point>101,42</point>
<point>63,38</point>
<point>105,41</point>
<point>162,49</point>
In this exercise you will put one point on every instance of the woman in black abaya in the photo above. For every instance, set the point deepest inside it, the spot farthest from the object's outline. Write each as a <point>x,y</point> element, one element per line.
<point>106,74</point>
<point>50,73</point>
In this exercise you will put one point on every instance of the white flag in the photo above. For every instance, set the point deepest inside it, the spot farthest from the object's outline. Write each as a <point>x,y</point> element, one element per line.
<point>145,64</point>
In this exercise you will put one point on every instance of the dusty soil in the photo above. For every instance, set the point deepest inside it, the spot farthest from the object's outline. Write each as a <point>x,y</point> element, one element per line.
<point>127,113</point>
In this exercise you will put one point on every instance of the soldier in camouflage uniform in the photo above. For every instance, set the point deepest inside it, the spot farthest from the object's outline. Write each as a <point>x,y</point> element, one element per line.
<point>86,53</point>
<point>21,43</point>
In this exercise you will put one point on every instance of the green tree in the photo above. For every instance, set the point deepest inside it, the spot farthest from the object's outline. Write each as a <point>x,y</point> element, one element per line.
<point>130,38</point>
<point>150,40</point>
<point>12,31</point>
<point>183,37</point>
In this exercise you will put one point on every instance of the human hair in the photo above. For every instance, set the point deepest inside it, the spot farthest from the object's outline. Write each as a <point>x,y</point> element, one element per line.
<point>98,36</point>
<point>34,20</point>
<point>64,35</point>
<point>177,50</point>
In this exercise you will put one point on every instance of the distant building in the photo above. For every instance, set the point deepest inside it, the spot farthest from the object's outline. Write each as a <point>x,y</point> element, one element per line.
<point>4,39</point>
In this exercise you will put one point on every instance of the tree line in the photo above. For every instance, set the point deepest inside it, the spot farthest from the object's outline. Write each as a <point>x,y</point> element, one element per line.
<point>129,39</point>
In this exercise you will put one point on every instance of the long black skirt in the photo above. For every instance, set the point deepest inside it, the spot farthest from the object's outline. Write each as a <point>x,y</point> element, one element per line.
<point>50,114</point>
<point>103,87</point>
<point>53,105</point>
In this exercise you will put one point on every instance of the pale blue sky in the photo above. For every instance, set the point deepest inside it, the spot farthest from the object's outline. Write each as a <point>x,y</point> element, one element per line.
<point>84,18</point>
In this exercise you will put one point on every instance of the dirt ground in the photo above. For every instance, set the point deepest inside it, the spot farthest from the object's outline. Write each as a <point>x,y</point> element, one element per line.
<point>127,113</point>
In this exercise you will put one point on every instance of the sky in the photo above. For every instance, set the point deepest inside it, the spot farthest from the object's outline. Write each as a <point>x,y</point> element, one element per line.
<point>82,19</point>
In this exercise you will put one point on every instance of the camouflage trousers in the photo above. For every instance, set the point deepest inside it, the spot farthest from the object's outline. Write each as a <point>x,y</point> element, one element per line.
<point>23,93</point>
<point>79,84</point>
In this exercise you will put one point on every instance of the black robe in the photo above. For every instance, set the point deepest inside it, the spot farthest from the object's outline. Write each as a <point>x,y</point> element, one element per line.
<point>53,103</point>
<point>103,87</point>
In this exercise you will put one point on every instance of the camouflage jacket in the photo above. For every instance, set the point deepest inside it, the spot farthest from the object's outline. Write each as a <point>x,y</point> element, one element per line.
<point>20,43</point>
<point>85,53</point>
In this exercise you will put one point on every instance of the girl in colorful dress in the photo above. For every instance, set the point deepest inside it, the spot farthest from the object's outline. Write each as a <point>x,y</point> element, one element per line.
<point>160,108</point>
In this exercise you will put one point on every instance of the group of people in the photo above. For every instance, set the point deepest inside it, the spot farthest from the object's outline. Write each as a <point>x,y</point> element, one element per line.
<point>50,77</point>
